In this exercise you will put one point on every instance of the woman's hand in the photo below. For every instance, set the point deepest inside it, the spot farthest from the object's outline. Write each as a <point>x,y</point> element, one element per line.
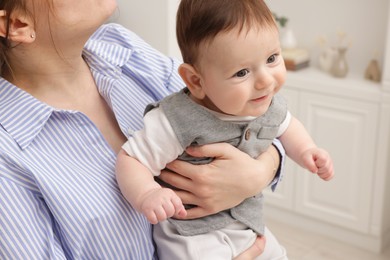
<point>222,184</point>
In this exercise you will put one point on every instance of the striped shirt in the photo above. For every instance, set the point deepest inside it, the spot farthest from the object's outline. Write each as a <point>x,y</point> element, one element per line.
<point>59,197</point>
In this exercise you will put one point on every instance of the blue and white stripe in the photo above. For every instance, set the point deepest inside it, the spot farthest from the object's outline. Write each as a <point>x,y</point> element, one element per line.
<point>59,197</point>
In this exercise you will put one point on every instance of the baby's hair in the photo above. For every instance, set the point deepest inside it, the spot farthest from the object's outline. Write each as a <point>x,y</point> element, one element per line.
<point>199,21</point>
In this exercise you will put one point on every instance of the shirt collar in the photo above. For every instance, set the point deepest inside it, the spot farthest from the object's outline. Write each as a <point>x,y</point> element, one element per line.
<point>21,115</point>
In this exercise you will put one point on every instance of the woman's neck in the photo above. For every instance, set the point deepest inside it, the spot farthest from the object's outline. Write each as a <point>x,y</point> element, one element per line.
<point>58,82</point>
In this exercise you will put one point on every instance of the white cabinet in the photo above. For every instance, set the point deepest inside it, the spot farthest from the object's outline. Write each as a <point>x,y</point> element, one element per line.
<point>350,119</point>
<point>347,129</point>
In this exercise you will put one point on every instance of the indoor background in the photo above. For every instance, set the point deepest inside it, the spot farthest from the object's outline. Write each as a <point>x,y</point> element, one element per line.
<point>349,115</point>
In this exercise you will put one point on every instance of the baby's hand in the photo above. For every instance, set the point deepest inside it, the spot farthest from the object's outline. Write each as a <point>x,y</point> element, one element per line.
<point>318,161</point>
<point>161,203</point>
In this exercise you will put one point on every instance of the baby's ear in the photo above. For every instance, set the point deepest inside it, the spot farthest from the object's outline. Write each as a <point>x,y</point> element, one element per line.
<point>21,27</point>
<point>192,79</point>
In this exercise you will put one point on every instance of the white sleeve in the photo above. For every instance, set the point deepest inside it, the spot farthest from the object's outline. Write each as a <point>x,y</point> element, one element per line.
<point>284,125</point>
<point>156,144</point>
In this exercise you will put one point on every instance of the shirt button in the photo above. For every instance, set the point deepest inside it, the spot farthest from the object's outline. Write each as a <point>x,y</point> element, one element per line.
<point>247,134</point>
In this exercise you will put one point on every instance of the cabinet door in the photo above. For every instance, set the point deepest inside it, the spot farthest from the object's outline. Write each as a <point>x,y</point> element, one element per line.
<point>347,130</point>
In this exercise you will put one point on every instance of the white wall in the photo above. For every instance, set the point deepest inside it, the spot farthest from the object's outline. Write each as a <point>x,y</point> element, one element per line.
<point>386,70</point>
<point>365,21</point>
<point>153,20</point>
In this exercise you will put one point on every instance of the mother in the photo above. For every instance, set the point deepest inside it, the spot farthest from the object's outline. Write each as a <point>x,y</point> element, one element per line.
<point>71,89</point>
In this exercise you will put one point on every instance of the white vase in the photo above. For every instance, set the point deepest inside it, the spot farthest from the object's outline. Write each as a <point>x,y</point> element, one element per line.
<point>340,64</point>
<point>287,39</point>
<point>326,59</point>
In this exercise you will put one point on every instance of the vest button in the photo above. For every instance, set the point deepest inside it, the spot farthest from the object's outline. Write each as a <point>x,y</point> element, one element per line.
<point>247,134</point>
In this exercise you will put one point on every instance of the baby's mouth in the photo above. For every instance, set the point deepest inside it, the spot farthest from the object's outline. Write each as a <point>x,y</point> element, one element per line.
<point>259,98</point>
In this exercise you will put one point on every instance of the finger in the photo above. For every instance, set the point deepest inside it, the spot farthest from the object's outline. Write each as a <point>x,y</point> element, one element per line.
<point>168,209</point>
<point>328,175</point>
<point>326,172</point>
<point>177,180</point>
<point>160,214</point>
<point>310,164</point>
<point>178,206</point>
<point>152,218</point>
<point>321,159</point>
<point>324,166</point>
<point>209,150</point>
<point>187,197</point>
<point>181,214</point>
<point>182,169</point>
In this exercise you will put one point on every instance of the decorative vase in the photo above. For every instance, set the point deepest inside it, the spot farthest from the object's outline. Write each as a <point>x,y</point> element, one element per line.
<point>373,72</point>
<point>340,65</point>
<point>326,59</point>
<point>287,39</point>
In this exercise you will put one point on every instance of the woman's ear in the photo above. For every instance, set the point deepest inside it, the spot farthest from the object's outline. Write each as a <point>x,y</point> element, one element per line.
<point>21,27</point>
<point>192,79</point>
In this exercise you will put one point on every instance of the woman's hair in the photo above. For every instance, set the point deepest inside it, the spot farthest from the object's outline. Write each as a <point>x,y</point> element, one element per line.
<point>199,21</point>
<point>9,6</point>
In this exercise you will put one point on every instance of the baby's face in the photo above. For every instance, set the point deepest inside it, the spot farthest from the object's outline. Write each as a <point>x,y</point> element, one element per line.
<point>241,71</point>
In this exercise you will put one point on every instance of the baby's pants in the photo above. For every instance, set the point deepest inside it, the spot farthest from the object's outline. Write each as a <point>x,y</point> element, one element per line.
<point>223,244</point>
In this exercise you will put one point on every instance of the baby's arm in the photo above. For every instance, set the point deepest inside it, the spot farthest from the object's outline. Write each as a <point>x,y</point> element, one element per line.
<point>138,186</point>
<point>142,157</point>
<point>301,148</point>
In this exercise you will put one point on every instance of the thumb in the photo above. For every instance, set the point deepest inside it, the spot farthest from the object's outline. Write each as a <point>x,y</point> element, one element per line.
<point>210,150</point>
<point>309,163</point>
<point>181,214</point>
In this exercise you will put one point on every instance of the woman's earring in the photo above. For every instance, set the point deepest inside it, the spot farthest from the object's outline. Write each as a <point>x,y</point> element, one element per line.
<point>32,36</point>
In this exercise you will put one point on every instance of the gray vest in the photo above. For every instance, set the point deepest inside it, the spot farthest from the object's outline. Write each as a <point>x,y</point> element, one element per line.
<point>195,125</point>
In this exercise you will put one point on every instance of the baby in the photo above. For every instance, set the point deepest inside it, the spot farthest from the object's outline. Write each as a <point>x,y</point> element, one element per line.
<point>233,70</point>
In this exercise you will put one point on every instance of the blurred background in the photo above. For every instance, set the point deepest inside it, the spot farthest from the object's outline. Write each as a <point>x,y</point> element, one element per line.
<point>338,85</point>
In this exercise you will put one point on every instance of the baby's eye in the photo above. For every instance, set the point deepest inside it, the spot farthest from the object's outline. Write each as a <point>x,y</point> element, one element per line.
<point>241,73</point>
<point>272,58</point>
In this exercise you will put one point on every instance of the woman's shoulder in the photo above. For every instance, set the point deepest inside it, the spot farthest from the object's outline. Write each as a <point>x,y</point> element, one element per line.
<point>110,46</point>
<point>108,30</point>
<point>116,34</point>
